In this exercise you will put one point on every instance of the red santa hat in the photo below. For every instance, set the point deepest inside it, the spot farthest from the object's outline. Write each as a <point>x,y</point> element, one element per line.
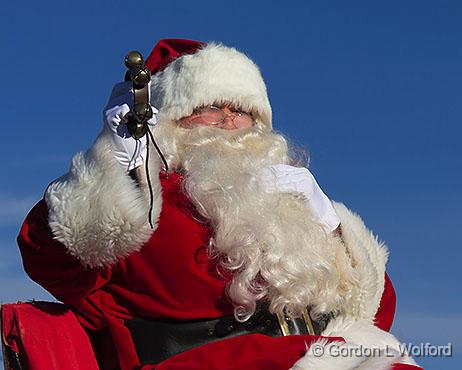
<point>188,74</point>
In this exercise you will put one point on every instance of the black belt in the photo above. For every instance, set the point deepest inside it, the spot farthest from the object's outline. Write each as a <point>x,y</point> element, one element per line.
<point>157,340</point>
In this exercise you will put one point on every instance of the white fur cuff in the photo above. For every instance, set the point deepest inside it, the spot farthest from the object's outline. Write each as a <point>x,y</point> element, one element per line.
<point>97,211</point>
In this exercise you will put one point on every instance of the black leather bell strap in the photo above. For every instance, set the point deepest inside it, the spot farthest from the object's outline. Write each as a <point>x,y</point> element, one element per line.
<point>158,340</point>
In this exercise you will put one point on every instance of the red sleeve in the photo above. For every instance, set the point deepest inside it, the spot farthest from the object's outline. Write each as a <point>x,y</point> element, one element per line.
<point>48,262</point>
<point>386,312</point>
<point>385,315</point>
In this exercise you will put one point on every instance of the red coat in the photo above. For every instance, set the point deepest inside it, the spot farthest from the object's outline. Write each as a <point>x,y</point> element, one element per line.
<point>170,277</point>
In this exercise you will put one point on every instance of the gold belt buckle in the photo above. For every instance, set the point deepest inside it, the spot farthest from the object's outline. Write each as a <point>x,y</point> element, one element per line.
<point>284,326</point>
<point>282,319</point>
<point>307,319</point>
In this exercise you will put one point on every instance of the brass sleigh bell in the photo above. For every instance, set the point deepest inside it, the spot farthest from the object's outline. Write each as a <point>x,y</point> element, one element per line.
<point>137,72</point>
<point>134,59</point>
<point>137,118</point>
<point>141,112</point>
<point>140,76</point>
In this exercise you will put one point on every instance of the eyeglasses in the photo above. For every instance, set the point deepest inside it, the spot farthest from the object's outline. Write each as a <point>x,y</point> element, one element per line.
<point>212,115</point>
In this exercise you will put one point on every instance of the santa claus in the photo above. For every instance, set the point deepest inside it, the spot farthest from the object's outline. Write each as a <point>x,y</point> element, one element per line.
<point>246,263</point>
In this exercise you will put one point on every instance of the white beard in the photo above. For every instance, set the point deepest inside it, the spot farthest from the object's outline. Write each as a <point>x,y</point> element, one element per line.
<point>268,241</point>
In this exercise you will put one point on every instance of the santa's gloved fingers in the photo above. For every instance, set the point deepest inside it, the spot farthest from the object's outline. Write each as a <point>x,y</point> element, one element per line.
<point>321,206</point>
<point>280,171</point>
<point>138,154</point>
<point>297,183</point>
<point>128,151</point>
<point>288,179</point>
<point>323,212</point>
<point>286,174</point>
<point>285,178</point>
<point>115,116</point>
<point>153,121</point>
<point>122,93</point>
<point>287,187</point>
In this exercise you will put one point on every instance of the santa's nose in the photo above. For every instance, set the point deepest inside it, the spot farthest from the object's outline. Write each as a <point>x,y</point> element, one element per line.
<point>228,122</point>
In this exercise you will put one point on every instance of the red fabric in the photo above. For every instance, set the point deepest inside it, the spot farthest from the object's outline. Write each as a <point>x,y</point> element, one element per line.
<point>251,352</point>
<point>167,50</point>
<point>170,277</point>
<point>47,336</point>
<point>386,313</point>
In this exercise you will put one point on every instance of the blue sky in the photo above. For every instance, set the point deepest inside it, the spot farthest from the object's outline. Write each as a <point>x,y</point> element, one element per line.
<point>371,89</point>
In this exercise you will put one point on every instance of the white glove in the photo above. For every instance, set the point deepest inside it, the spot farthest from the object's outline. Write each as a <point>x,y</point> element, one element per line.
<point>287,179</point>
<point>128,151</point>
